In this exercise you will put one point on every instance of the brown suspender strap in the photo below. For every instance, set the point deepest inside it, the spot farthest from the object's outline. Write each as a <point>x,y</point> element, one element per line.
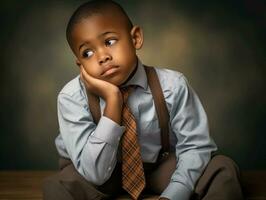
<point>160,106</point>
<point>94,106</point>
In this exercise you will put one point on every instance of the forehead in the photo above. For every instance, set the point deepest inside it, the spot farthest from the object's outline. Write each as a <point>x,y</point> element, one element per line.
<point>89,28</point>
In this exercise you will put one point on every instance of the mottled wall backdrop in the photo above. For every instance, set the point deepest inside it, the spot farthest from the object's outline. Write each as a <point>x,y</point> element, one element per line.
<point>218,45</point>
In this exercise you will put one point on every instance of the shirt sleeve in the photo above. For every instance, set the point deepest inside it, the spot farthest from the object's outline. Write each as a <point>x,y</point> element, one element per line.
<point>92,148</point>
<point>189,123</point>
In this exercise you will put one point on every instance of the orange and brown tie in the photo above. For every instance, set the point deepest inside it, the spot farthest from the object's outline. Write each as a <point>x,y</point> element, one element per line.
<point>133,179</point>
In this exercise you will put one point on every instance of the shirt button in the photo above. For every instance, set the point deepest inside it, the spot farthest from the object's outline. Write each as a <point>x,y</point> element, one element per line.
<point>109,168</point>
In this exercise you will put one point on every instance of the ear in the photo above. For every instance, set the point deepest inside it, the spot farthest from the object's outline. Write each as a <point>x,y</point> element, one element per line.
<point>137,37</point>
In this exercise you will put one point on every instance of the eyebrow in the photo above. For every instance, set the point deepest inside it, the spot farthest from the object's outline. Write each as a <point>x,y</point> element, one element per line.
<point>101,35</point>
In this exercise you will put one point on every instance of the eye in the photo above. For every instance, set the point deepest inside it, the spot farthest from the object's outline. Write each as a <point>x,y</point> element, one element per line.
<point>87,53</point>
<point>110,42</point>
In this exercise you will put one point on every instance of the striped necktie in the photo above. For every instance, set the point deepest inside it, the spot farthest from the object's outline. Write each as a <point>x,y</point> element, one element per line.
<point>133,179</point>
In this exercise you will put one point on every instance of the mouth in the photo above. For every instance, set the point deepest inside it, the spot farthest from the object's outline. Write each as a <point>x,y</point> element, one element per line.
<point>109,70</point>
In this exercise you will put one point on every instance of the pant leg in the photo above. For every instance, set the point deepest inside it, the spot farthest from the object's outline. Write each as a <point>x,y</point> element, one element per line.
<point>219,181</point>
<point>68,184</point>
<point>159,178</point>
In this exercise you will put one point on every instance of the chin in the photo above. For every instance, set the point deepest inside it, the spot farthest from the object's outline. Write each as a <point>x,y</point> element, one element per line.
<point>116,82</point>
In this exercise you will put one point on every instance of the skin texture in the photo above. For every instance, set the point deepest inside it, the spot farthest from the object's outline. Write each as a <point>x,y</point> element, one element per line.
<point>105,49</point>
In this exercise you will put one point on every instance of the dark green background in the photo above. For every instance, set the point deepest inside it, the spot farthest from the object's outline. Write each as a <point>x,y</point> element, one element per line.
<point>218,45</point>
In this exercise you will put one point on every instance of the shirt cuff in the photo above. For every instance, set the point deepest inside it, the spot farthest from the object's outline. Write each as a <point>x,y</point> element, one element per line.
<point>176,190</point>
<point>108,131</point>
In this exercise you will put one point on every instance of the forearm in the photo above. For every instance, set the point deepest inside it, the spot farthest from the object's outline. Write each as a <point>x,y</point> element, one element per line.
<point>92,148</point>
<point>188,169</point>
<point>98,157</point>
<point>113,108</point>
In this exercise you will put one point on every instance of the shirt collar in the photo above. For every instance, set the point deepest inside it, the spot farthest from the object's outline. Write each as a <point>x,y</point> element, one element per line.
<point>139,78</point>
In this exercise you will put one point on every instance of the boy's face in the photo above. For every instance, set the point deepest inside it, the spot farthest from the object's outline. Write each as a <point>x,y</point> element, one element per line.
<point>106,48</point>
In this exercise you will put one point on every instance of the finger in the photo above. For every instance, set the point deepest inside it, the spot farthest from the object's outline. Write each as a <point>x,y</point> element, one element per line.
<point>90,80</point>
<point>81,72</point>
<point>84,74</point>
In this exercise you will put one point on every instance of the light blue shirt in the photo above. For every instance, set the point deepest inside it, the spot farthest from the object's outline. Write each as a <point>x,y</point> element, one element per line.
<point>93,148</point>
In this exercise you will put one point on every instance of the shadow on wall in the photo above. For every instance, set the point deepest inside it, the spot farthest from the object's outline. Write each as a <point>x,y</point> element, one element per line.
<point>218,46</point>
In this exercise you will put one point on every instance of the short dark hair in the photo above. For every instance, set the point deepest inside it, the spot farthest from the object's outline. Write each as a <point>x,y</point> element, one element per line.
<point>91,8</point>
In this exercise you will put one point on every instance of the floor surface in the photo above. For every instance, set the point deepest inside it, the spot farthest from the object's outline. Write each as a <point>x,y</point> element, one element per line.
<point>26,185</point>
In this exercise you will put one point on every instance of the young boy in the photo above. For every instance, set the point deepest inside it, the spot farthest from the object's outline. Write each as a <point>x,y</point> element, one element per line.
<point>94,155</point>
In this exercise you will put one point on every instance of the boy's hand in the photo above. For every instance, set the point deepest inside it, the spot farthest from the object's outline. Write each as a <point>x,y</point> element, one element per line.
<point>99,87</point>
<point>108,91</point>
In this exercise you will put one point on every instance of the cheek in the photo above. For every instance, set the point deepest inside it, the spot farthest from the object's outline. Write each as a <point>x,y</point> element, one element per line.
<point>125,53</point>
<point>92,70</point>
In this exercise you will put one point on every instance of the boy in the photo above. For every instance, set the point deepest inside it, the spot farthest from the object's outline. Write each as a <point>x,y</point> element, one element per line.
<point>95,156</point>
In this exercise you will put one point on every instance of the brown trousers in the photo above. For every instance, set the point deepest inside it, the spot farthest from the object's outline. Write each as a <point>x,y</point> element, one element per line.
<point>219,181</point>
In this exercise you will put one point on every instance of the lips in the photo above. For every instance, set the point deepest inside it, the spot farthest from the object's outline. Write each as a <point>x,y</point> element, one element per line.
<point>108,70</point>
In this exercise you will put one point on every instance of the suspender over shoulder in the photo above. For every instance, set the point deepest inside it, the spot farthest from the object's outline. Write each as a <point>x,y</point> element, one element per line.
<point>160,106</point>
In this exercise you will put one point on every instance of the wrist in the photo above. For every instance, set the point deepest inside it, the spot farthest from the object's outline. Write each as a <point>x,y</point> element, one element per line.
<point>115,102</point>
<point>115,99</point>
<point>113,93</point>
<point>113,108</point>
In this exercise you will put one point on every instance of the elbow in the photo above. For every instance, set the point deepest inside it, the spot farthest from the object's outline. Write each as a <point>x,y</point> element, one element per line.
<point>95,167</point>
<point>97,179</point>
<point>97,182</point>
<point>93,174</point>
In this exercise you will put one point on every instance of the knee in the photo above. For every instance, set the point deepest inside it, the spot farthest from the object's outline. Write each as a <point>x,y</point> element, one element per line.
<point>50,186</point>
<point>49,182</point>
<point>222,162</point>
<point>56,189</point>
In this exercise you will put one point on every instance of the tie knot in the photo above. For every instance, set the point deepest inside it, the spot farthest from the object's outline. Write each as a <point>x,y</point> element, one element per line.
<point>125,93</point>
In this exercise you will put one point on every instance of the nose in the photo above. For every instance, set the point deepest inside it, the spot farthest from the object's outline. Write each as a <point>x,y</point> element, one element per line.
<point>104,56</point>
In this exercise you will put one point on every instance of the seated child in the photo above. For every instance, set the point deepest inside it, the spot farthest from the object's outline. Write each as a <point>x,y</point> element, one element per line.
<point>123,151</point>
